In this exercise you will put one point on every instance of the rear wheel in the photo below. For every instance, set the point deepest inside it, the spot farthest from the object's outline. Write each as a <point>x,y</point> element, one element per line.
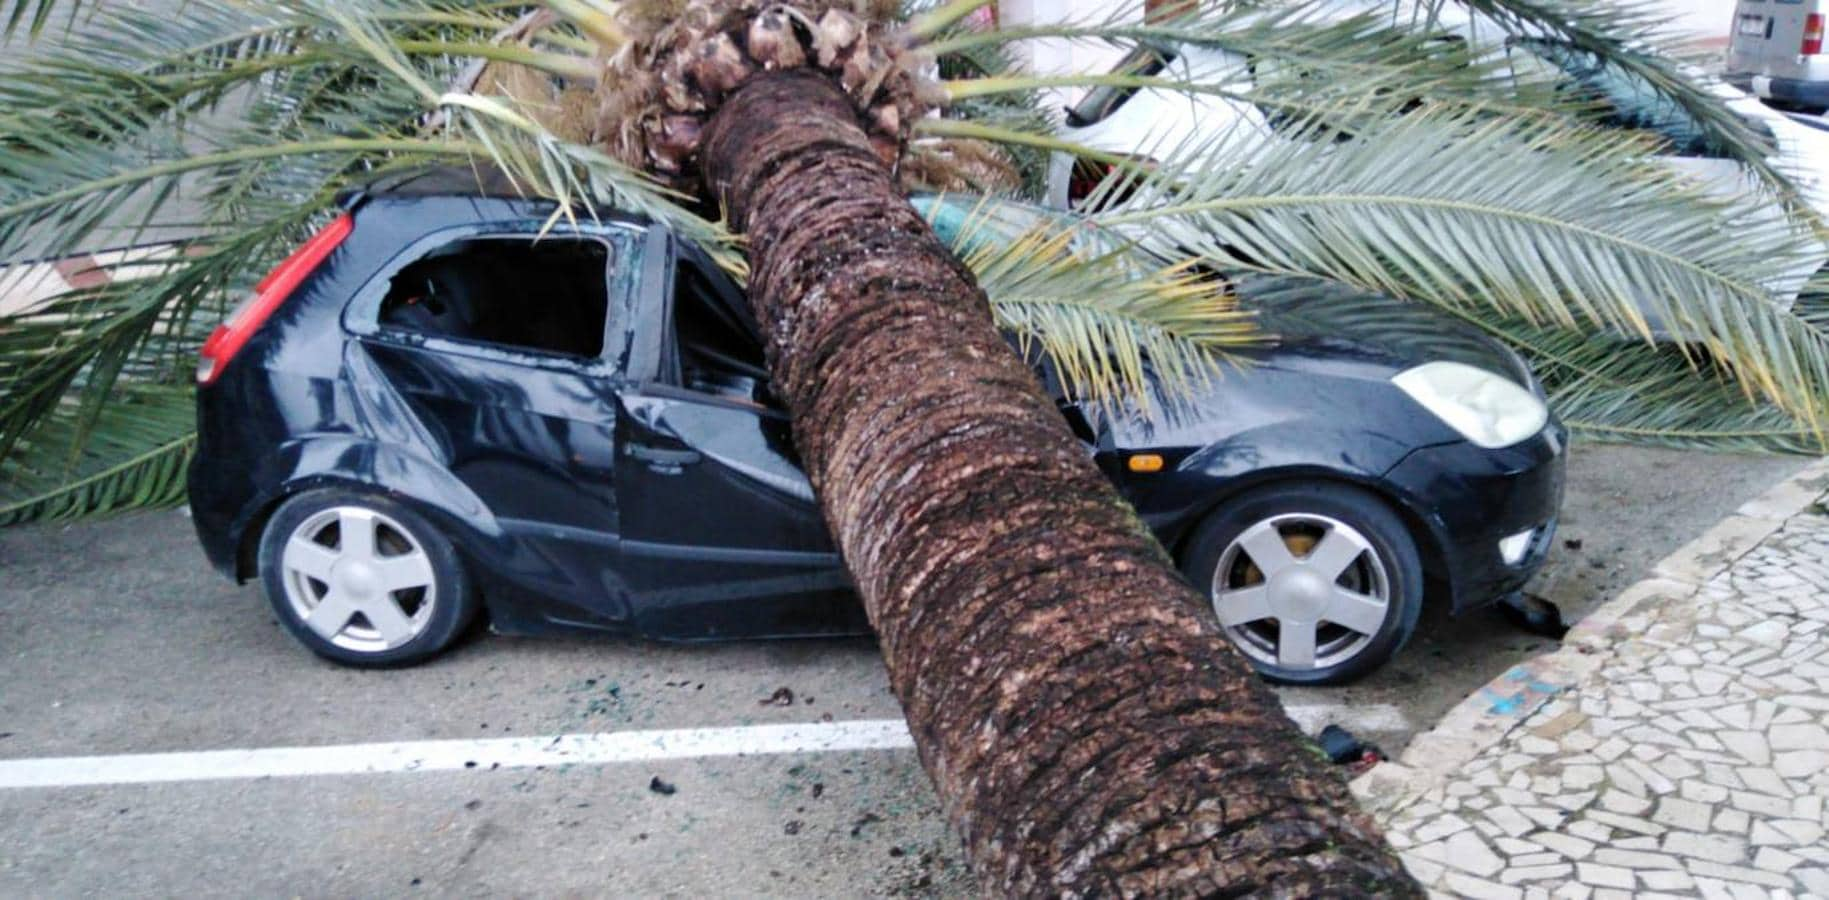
<point>362,580</point>
<point>1317,583</point>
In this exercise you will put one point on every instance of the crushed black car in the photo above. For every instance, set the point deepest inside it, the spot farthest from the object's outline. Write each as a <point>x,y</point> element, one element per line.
<point>435,409</point>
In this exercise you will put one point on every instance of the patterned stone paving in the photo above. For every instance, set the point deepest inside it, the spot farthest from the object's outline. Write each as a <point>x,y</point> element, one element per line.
<point>1695,761</point>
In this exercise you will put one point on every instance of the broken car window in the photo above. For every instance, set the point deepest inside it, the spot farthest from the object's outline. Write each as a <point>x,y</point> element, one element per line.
<point>548,295</point>
<point>718,352</point>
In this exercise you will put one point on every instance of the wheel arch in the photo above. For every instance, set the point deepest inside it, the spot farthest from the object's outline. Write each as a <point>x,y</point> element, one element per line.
<point>1430,545</point>
<point>355,464</point>
<point>247,540</point>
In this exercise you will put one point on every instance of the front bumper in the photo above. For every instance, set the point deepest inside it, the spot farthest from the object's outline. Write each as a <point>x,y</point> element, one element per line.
<point>1472,499</point>
<point>1796,91</point>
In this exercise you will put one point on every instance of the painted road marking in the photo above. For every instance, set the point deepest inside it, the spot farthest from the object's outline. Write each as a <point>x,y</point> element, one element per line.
<point>456,755</point>
<point>527,752</point>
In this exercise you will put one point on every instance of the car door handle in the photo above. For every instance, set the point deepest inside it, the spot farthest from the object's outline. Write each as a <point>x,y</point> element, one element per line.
<point>661,456</point>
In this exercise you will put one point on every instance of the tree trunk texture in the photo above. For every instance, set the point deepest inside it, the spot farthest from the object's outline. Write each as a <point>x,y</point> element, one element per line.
<point>1087,727</point>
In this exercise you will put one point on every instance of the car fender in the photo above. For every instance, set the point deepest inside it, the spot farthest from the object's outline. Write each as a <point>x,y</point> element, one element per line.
<point>1291,449</point>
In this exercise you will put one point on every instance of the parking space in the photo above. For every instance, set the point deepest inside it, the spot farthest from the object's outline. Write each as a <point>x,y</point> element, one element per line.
<point>832,824</point>
<point>116,640</point>
<point>120,641</point>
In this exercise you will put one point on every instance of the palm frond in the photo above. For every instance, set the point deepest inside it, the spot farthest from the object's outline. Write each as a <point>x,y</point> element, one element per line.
<point>1682,411</point>
<point>1604,387</point>
<point>1612,390</point>
<point>1016,110</point>
<point>136,459</point>
<point>1634,38</point>
<point>1299,56</point>
<point>1540,220</point>
<point>33,15</point>
<point>311,117</point>
<point>1121,327</point>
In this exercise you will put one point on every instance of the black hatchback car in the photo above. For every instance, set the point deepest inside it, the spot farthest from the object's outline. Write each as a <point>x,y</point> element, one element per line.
<point>432,409</point>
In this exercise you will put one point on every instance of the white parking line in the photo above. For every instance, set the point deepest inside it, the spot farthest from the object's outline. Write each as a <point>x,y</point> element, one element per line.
<point>455,755</point>
<point>512,753</point>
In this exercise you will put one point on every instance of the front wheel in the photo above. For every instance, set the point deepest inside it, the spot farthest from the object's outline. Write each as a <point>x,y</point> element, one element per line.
<point>1316,582</point>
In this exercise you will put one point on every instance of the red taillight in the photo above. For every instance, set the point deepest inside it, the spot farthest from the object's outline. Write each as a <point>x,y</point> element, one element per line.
<point>232,335</point>
<point>1813,35</point>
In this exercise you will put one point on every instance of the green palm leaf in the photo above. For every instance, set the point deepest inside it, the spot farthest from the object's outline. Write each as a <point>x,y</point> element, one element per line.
<point>1539,220</point>
<point>1121,327</point>
<point>1604,387</point>
<point>135,459</point>
<point>233,124</point>
<point>1634,38</point>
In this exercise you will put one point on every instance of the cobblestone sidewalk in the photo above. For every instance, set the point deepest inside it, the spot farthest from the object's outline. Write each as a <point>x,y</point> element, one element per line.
<point>1692,759</point>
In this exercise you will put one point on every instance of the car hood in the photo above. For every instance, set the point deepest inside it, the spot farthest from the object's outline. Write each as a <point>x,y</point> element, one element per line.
<point>1316,325</point>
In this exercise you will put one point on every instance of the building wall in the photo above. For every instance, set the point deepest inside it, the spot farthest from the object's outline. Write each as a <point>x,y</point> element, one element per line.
<point>1708,21</point>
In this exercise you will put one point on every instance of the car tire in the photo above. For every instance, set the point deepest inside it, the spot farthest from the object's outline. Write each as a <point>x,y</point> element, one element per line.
<point>1318,528</point>
<point>395,595</point>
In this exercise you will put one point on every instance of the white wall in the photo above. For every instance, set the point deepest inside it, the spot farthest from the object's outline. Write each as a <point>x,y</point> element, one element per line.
<point>1706,20</point>
<point>1058,56</point>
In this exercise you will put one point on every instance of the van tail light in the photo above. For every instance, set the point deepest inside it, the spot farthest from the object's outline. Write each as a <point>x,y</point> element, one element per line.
<point>233,334</point>
<point>1813,35</point>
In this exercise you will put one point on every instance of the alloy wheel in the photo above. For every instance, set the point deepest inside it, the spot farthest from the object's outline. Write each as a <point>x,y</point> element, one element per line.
<point>1301,591</point>
<point>359,579</point>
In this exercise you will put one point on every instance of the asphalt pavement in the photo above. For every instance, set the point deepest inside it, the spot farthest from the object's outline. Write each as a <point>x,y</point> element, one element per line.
<point>117,641</point>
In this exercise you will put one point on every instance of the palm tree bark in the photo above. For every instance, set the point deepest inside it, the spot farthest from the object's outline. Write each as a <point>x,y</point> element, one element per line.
<point>1084,723</point>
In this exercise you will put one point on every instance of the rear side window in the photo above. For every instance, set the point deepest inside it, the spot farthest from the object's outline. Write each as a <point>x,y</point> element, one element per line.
<point>548,296</point>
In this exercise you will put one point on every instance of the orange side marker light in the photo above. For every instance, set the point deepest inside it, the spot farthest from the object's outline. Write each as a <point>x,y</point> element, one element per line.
<point>1146,462</point>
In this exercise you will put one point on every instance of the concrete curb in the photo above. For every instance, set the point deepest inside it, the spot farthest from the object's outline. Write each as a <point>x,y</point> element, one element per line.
<point>1487,715</point>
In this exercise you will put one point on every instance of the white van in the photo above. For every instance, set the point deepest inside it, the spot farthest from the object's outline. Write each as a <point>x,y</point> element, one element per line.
<point>1776,53</point>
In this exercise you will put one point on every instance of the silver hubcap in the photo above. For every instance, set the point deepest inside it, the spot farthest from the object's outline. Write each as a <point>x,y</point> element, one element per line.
<point>1301,591</point>
<point>359,579</point>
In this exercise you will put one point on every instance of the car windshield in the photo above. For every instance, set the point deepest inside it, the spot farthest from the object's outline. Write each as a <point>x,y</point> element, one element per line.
<point>1628,100</point>
<point>1100,102</point>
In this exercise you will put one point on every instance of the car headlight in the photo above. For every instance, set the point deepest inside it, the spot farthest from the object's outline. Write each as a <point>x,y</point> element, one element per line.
<point>1488,410</point>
